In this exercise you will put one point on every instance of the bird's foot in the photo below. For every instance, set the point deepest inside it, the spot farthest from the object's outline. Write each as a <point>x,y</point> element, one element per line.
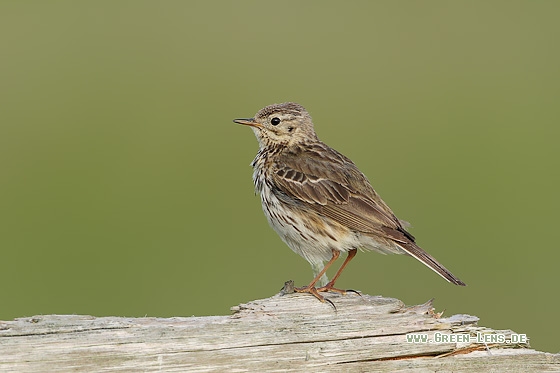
<point>311,290</point>
<point>328,287</point>
<point>315,292</point>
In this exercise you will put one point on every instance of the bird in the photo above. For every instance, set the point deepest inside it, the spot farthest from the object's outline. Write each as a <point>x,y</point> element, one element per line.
<point>319,202</point>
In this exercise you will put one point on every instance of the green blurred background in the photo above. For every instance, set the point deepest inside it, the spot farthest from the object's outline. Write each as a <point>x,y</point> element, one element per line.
<point>125,188</point>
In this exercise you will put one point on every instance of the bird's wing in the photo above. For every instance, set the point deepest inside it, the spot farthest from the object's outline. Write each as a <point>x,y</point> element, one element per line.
<point>329,183</point>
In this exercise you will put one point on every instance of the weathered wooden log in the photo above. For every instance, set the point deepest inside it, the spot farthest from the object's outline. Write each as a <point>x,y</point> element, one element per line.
<point>285,332</point>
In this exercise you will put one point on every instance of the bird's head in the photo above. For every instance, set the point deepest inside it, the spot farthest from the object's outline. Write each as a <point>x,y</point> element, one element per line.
<point>281,124</point>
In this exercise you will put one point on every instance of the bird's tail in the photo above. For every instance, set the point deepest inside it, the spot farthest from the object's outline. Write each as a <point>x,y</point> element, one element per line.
<point>414,250</point>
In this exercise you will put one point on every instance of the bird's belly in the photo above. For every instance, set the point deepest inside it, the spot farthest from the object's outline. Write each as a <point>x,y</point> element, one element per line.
<point>307,234</point>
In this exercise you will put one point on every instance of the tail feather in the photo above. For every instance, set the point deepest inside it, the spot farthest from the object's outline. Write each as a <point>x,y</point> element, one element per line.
<point>415,251</point>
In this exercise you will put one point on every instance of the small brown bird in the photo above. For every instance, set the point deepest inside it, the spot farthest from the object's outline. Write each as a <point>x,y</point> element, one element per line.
<point>318,201</point>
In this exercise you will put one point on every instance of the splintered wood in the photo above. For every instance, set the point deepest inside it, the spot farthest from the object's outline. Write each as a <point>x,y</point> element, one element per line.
<point>282,333</point>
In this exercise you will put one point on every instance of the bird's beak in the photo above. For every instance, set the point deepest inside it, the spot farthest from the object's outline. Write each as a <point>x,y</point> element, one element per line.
<point>248,122</point>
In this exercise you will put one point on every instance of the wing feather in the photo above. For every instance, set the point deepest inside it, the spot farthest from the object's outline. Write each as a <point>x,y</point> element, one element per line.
<point>332,185</point>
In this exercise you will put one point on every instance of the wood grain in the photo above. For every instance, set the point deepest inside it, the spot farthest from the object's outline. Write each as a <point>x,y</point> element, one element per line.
<point>285,332</point>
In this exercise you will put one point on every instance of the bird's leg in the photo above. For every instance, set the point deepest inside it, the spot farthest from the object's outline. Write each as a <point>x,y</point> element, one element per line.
<point>330,285</point>
<point>311,289</point>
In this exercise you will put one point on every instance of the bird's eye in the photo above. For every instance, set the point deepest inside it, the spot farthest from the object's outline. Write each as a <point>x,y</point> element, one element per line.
<point>275,121</point>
